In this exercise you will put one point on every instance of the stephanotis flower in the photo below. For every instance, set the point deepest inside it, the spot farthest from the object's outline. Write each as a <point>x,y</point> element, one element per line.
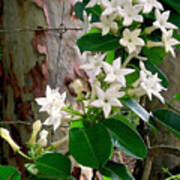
<point>130,13</point>
<point>115,73</point>
<point>150,83</point>
<point>53,104</point>
<point>161,21</point>
<point>107,24</point>
<point>107,99</point>
<point>94,63</point>
<point>148,5</point>
<point>169,42</point>
<point>131,40</point>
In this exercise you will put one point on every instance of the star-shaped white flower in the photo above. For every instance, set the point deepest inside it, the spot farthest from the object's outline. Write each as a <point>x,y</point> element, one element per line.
<point>53,104</point>
<point>86,25</point>
<point>107,24</point>
<point>169,42</point>
<point>94,63</point>
<point>131,40</point>
<point>150,83</point>
<point>115,73</point>
<point>161,21</point>
<point>148,5</point>
<point>107,99</point>
<point>53,100</point>
<point>130,13</point>
<point>113,6</point>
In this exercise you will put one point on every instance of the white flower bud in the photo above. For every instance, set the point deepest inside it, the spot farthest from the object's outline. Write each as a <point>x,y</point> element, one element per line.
<point>4,133</point>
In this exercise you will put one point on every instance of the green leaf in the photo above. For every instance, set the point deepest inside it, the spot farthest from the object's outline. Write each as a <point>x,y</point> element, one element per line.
<point>110,57</point>
<point>177,96</point>
<point>78,9</point>
<point>169,119</point>
<point>176,35</point>
<point>95,11</point>
<point>175,4</point>
<point>154,69</point>
<point>128,139</point>
<point>137,108</point>
<point>116,171</point>
<point>174,18</point>
<point>97,42</point>
<point>90,146</point>
<point>9,173</point>
<point>155,55</point>
<point>53,166</point>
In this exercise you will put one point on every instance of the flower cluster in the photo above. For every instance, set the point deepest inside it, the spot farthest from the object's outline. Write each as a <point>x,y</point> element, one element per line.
<point>125,20</point>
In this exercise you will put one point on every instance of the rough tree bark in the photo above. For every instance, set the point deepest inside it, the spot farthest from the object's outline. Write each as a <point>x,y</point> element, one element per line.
<point>31,60</point>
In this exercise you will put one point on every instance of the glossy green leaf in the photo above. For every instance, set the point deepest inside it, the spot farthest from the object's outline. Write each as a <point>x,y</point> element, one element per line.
<point>9,173</point>
<point>97,42</point>
<point>137,108</point>
<point>174,18</point>
<point>169,119</point>
<point>116,171</point>
<point>155,55</point>
<point>95,11</point>
<point>175,4</point>
<point>154,69</point>
<point>51,166</point>
<point>90,146</point>
<point>128,139</point>
<point>78,9</point>
<point>177,96</point>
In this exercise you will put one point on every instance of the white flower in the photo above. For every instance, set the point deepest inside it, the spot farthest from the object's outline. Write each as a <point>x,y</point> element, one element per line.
<point>150,83</point>
<point>53,100</point>
<point>161,21</point>
<point>130,13</point>
<point>148,5</point>
<point>169,41</point>
<point>107,99</point>
<point>53,104</point>
<point>106,24</point>
<point>93,3</point>
<point>86,25</point>
<point>94,63</point>
<point>131,40</point>
<point>4,133</point>
<point>115,73</point>
<point>43,138</point>
<point>113,6</point>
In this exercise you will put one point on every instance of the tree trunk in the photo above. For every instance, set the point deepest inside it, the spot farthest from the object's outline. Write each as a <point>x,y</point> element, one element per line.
<point>171,68</point>
<point>31,60</point>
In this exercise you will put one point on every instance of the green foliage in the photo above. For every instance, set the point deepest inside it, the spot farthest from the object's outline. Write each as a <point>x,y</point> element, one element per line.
<point>177,96</point>
<point>90,146</point>
<point>51,166</point>
<point>116,171</point>
<point>128,140</point>
<point>155,55</point>
<point>9,173</point>
<point>97,42</point>
<point>175,4</point>
<point>169,119</point>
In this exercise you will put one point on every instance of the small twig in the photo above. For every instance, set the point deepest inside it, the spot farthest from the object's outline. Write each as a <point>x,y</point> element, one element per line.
<point>164,150</point>
<point>147,168</point>
<point>172,107</point>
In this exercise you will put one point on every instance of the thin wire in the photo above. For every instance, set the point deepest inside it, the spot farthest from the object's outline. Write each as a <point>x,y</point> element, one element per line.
<point>61,29</point>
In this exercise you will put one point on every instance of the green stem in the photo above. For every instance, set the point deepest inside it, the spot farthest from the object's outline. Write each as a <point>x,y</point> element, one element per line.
<point>25,156</point>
